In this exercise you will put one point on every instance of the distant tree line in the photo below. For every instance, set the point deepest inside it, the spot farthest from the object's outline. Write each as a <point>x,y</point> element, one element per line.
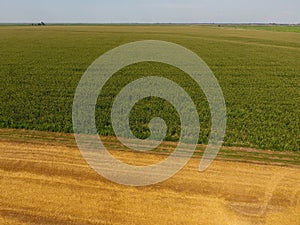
<point>38,24</point>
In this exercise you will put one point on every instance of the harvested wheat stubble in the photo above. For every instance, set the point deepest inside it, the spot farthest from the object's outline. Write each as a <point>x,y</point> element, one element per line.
<point>42,183</point>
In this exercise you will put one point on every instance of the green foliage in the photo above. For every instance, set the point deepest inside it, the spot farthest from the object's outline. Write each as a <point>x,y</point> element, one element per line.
<point>277,28</point>
<point>258,72</point>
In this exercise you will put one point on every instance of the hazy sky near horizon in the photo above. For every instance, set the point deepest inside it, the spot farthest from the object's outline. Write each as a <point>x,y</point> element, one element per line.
<point>142,11</point>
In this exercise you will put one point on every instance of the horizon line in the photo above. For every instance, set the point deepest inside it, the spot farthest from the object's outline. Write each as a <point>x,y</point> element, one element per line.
<point>149,23</point>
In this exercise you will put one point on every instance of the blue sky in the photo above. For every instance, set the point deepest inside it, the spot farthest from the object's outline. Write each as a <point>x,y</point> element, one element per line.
<point>142,11</point>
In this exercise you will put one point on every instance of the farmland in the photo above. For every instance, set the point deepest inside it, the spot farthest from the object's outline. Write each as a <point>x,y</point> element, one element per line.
<point>253,181</point>
<point>275,28</point>
<point>45,180</point>
<point>258,72</point>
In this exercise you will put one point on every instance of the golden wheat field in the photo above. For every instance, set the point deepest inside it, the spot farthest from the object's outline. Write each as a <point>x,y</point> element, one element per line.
<point>46,182</point>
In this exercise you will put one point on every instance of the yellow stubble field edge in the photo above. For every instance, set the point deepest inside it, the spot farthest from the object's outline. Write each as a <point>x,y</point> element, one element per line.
<point>48,182</point>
